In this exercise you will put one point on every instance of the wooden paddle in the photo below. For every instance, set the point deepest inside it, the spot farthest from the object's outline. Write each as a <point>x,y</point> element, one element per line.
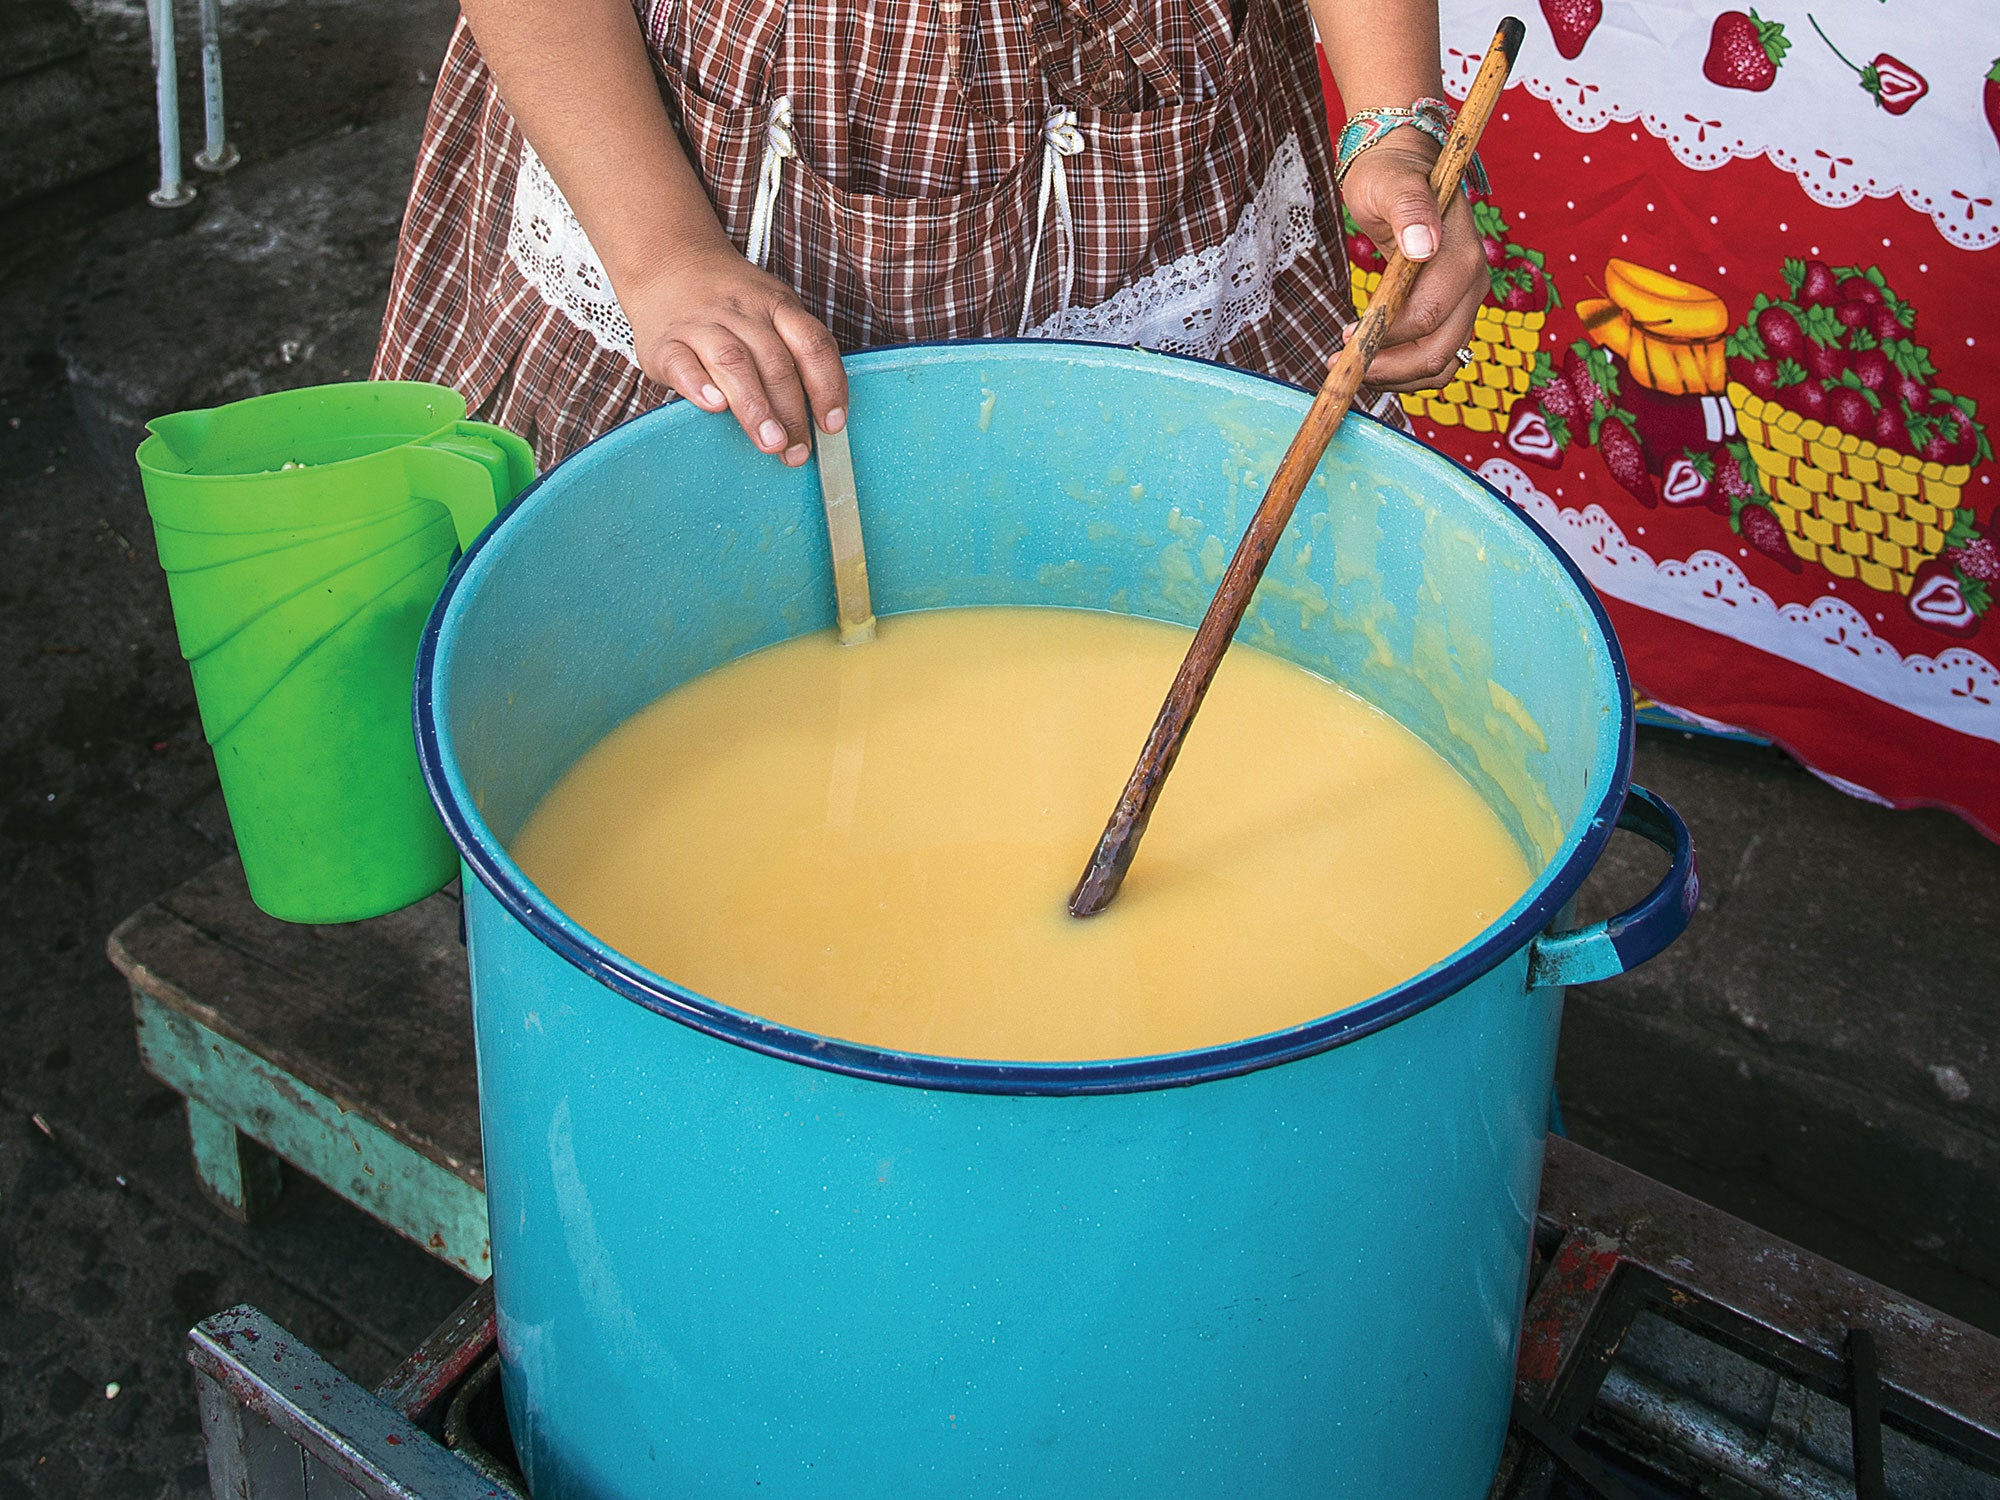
<point>1113,855</point>
<point>843,534</point>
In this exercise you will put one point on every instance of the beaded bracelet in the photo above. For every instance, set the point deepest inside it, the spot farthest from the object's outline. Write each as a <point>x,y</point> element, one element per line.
<point>1365,127</point>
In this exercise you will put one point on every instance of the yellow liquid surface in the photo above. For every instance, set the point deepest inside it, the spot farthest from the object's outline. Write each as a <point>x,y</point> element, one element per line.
<point>877,842</point>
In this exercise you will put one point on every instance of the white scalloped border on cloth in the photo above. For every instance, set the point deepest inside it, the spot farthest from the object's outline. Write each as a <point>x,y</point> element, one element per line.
<point>1195,305</point>
<point>1643,62</point>
<point>1957,689</point>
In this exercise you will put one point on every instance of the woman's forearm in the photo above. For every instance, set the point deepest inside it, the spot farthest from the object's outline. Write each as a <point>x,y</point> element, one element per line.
<point>579,81</point>
<point>1384,53</point>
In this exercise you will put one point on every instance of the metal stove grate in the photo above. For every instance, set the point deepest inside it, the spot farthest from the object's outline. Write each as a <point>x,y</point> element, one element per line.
<point>1671,1351</point>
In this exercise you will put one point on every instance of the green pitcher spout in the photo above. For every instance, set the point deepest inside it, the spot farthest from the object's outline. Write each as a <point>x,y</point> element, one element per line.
<point>180,437</point>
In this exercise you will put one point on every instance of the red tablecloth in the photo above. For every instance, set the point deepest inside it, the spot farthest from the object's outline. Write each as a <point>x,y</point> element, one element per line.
<point>1749,271</point>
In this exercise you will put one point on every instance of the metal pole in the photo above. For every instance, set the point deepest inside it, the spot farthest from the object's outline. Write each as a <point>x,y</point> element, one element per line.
<point>172,191</point>
<point>217,155</point>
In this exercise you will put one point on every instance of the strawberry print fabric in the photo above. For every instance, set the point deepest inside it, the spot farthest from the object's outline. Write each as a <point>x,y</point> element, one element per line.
<point>1740,361</point>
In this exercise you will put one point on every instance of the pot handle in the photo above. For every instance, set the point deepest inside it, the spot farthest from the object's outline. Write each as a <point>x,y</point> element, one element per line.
<point>1606,949</point>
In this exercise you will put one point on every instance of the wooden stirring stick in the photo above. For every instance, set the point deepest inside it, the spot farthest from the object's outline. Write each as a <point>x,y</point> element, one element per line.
<point>843,531</point>
<point>1113,855</point>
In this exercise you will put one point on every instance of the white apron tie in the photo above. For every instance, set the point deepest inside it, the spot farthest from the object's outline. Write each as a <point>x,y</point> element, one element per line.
<point>778,147</point>
<point>1061,138</point>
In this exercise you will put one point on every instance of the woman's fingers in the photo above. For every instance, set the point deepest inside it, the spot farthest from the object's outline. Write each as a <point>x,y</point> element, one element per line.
<point>786,393</point>
<point>772,374</point>
<point>729,336</point>
<point>1421,349</point>
<point>735,370</point>
<point>1412,215</point>
<point>1388,191</point>
<point>680,369</point>
<point>817,357</point>
<point>1389,194</point>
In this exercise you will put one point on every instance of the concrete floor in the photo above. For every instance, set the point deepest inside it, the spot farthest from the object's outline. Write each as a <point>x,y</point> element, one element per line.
<point>1818,1055</point>
<point>108,1253</point>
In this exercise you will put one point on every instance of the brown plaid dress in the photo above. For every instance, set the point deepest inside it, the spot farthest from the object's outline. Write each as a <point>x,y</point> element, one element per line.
<point>1200,210</point>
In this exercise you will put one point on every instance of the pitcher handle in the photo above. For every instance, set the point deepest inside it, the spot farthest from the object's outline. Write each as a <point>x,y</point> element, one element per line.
<point>1606,949</point>
<point>519,457</point>
<point>473,470</point>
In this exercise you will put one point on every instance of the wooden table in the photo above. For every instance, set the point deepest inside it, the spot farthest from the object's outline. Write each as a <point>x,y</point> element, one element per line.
<point>345,1050</point>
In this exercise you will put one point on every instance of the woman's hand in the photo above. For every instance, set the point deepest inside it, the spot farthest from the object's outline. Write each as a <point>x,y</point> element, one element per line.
<point>730,337</point>
<point>704,320</point>
<point>1388,192</point>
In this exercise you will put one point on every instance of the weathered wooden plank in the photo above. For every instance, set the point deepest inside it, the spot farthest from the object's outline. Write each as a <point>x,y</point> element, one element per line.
<point>375,1016</point>
<point>372,1169</point>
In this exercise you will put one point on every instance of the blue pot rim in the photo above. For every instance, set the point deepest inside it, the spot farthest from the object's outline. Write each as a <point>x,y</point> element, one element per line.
<point>1507,938</point>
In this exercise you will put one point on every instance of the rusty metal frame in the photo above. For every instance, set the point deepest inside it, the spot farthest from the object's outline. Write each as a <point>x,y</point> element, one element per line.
<point>421,1386</point>
<point>282,1424</point>
<point>1615,1243</point>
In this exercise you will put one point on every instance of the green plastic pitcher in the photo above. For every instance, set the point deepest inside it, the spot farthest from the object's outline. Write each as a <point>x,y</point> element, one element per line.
<point>305,536</point>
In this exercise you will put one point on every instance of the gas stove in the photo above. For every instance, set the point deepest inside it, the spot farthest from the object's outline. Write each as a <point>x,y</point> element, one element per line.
<point>1667,1350</point>
<point>1671,1350</point>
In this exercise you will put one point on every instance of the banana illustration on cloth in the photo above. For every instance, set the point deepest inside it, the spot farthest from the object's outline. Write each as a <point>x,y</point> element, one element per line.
<point>1669,332</point>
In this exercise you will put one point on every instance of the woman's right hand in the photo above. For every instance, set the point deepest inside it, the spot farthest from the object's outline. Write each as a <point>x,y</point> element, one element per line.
<point>704,320</point>
<point>728,336</point>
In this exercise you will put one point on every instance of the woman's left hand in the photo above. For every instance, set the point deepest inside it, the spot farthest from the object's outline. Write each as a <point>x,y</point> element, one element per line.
<point>1388,191</point>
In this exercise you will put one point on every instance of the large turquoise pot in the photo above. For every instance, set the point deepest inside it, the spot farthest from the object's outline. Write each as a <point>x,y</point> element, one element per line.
<point>738,1260</point>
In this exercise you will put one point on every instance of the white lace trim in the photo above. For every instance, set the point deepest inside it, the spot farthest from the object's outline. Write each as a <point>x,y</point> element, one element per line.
<point>1194,305</point>
<point>546,242</point>
<point>1198,303</point>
